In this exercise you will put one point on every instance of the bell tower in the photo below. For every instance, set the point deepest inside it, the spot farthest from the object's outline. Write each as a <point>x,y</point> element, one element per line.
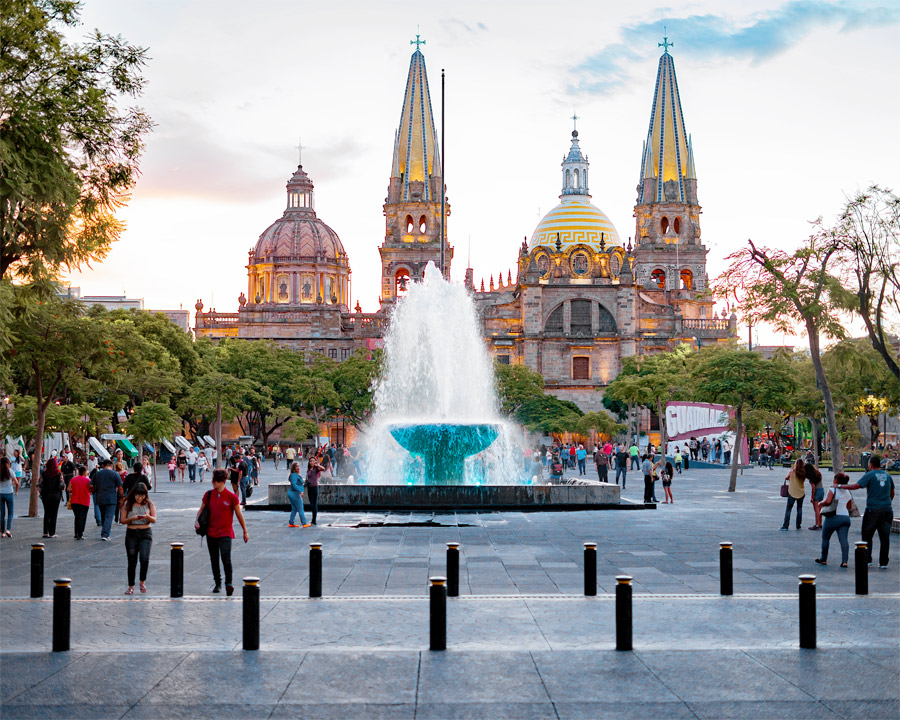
<point>412,209</point>
<point>668,251</point>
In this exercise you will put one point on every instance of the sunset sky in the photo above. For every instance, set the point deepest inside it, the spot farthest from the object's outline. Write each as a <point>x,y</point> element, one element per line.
<point>791,106</point>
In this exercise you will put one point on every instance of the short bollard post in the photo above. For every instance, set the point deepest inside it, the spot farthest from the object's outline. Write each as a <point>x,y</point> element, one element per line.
<point>726,569</point>
<point>807,593</point>
<point>453,569</point>
<point>623,612</point>
<point>315,570</point>
<point>177,580</point>
<point>438,613</point>
<point>251,613</point>
<point>37,570</point>
<point>861,560</point>
<point>62,614</point>
<point>590,568</point>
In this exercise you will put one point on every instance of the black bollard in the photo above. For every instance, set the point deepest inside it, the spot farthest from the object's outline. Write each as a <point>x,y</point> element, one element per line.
<point>438,614</point>
<point>177,579</point>
<point>315,570</point>
<point>590,568</point>
<point>37,570</point>
<point>726,569</point>
<point>623,612</point>
<point>861,560</point>
<point>62,614</point>
<point>453,569</point>
<point>807,596</point>
<point>251,613</point>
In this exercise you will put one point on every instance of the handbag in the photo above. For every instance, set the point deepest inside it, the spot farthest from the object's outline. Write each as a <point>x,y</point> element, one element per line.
<point>784,489</point>
<point>830,510</point>
<point>203,517</point>
<point>852,508</point>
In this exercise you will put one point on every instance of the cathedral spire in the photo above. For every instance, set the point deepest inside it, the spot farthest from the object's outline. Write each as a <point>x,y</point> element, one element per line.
<point>667,165</point>
<point>575,169</point>
<point>416,149</point>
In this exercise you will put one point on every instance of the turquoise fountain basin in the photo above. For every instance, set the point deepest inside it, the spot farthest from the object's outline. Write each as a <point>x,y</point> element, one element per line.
<point>444,447</point>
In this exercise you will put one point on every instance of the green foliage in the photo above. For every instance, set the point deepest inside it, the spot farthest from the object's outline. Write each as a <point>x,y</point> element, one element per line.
<point>354,382</point>
<point>152,421</point>
<point>600,422</point>
<point>742,378</point>
<point>522,397</point>
<point>516,385</point>
<point>69,145</point>
<point>300,429</point>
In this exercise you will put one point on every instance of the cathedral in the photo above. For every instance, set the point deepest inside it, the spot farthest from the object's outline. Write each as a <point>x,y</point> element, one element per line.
<point>581,300</point>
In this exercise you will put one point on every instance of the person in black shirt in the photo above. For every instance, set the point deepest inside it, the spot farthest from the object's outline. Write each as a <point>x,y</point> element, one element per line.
<point>134,478</point>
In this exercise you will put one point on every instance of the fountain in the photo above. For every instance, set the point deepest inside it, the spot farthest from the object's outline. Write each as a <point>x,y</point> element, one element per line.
<point>444,447</point>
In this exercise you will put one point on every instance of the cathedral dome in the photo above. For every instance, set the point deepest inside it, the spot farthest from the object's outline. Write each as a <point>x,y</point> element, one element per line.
<point>298,235</point>
<point>577,222</point>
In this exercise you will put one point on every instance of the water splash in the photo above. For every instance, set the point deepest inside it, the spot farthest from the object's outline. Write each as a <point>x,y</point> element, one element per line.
<point>437,371</point>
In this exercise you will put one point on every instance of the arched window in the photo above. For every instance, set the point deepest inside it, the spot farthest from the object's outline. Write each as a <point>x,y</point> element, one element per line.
<point>607,321</point>
<point>676,225</point>
<point>581,318</point>
<point>568,178</point>
<point>664,225</point>
<point>554,324</point>
<point>423,225</point>
<point>659,277</point>
<point>687,280</point>
<point>401,282</point>
<point>409,224</point>
<point>575,178</point>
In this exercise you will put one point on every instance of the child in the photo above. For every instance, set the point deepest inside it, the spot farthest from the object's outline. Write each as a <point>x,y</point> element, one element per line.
<point>171,466</point>
<point>678,460</point>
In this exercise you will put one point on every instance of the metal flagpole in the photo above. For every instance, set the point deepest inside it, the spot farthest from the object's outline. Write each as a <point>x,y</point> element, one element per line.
<point>443,174</point>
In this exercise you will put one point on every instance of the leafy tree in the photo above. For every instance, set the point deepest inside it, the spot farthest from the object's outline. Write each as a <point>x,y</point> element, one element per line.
<point>784,288</point>
<point>601,423</point>
<point>223,397</point>
<point>516,384</point>
<point>354,381</point>
<point>315,392</point>
<point>549,415</point>
<point>152,421</point>
<point>630,390</point>
<point>867,235</point>
<point>742,379</point>
<point>69,146</point>
<point>300,429</point>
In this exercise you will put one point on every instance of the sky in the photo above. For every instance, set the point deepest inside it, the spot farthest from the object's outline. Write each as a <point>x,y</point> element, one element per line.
<point>792,107</point>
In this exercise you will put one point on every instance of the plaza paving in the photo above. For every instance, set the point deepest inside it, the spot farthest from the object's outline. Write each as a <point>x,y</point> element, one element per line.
<point>522,640</point>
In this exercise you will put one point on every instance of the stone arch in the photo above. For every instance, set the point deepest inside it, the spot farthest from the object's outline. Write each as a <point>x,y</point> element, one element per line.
<point>554,324</point>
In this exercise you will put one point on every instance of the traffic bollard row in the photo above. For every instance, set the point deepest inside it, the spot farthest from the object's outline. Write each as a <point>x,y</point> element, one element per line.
<point>590,568</point>
<point>177,579</point>
<point>453,569</point>
<point>726,569</point>
<point>37,570</point>
<point>315,570</point>
<point>861,559</point>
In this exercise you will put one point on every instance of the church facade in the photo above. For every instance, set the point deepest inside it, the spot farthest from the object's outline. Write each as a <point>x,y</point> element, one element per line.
<point>581,301</point>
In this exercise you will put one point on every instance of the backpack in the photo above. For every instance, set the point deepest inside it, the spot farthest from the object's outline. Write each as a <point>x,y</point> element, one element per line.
<point>203,517</point>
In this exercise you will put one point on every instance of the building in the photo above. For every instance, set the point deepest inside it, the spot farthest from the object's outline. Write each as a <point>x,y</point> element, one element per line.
<point>181,318</point>
<point>582,299</point>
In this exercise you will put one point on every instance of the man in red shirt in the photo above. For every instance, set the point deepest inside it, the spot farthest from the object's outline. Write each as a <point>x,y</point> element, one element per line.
<point>80,497</point>
<point>223,506</point>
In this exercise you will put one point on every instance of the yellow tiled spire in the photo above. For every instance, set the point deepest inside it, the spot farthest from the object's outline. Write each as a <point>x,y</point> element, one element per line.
<point>416,154</point>
<point>668,155</point>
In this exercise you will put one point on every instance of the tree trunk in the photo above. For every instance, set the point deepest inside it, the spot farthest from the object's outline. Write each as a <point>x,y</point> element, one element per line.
<point>834,439</point>
<point>219,453</point>
<point>663,434</point>
<point>814,423</point>
<point>155,479</point>
<point>739,422</point>
<point>40,423</point>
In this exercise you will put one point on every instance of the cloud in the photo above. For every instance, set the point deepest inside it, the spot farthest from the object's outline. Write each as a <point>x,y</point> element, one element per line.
<point>709,36</point>
<point>457,29</point>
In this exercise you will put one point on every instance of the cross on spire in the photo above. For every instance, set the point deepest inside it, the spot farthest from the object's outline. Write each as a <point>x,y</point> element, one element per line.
<point>665,44</point>
<point>574,120</point>
<point>417,42</point>
<point>299,151</point>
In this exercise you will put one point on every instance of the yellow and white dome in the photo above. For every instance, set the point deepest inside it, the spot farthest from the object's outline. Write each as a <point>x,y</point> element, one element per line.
<point>577,222</point>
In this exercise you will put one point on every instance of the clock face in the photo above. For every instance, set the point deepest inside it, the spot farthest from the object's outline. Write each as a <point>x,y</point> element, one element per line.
<point>615,264</point>
<point>581,263</point>
<point>543,263</point>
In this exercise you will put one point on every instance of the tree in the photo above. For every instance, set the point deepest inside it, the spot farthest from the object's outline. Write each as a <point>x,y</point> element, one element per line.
<point>152,421</point>
<point>522,397</point>
<point>516,385</point>
<point>300,429</point>
<point>316,394</point>
<point>742,379</point>
<point>69,146</point>
<point>601,423</point>
<point>354,381</point>
<point>868,240</point>
<point>783,288</point>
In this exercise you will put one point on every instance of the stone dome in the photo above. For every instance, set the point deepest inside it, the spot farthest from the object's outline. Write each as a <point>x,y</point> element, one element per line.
<point>298,235</point>
<point>578,222</point>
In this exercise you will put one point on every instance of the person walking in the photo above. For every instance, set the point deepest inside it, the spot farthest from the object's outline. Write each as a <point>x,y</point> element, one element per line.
<point>601,460</point>
<point>181,463</point>
<point>726,451</point>
<point>694,447</point>
<point>80,499</point>
<point>836,513</point>
<point>255,464</point>
<point>192,458</point>
<point>581,458</point>
<point>796,493</point>
<point>314,470</point>
<point>667,474</point>
<point>202,465</point>
<point>171,467</point>
<point>51,486</point>
<point>138,514</point>
<point>634,454</point>
<point>107,488</point>
<point>879,514</point>
<point>223,506</point>
<point>647,470</point>
<point>295,497</point>
<point>621,464</point>
<point>678,460</point>
<point>816,494</point>
<point>133,478</point>
<point>9,487</point>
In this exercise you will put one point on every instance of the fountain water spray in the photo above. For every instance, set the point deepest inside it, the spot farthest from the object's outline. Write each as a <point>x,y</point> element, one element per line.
<point>437,417</point>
